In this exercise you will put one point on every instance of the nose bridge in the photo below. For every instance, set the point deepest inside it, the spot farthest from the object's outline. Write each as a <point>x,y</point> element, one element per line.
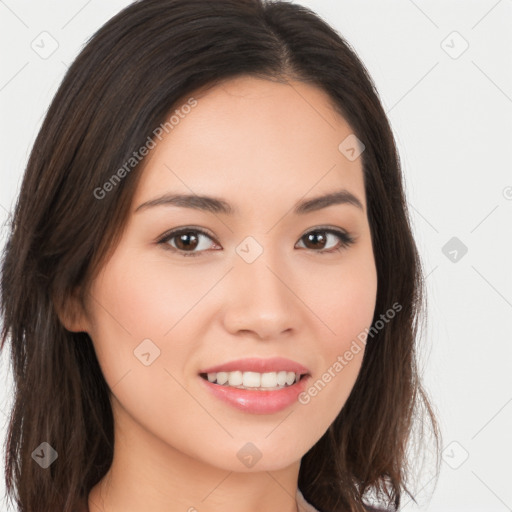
<point>262,300</point>
<point>262,268</point>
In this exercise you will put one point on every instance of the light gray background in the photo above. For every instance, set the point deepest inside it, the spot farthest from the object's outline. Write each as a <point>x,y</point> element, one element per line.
<point>451,112</point>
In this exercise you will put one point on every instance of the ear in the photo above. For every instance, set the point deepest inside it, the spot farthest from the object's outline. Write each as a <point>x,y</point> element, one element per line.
<point>71,313</point>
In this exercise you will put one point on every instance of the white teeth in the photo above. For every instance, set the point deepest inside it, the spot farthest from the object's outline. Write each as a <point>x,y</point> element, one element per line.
<point>251,380</point>
<point>281,378</point>
<point>254,380</point>
<point>290,378</point>
<point>221,377</point>
<point>235,378</point>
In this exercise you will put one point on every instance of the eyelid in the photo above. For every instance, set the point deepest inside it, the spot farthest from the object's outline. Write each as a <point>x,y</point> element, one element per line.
<point>346,238</point>
<point>174,232</point>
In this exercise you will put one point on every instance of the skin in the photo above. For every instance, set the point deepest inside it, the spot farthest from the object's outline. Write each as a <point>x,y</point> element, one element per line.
<point>262,146</point>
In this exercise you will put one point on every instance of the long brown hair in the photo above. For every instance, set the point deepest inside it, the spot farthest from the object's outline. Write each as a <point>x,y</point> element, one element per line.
<point>124,83</point>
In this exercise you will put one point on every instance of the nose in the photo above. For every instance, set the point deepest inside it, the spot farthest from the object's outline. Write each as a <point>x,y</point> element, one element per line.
<point>261,300</point>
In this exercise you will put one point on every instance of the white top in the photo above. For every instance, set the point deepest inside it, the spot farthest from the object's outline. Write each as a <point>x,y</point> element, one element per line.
<point>303,505</point>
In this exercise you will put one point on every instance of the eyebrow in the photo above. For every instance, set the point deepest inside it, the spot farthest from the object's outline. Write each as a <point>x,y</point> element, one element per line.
<point>217,205</point>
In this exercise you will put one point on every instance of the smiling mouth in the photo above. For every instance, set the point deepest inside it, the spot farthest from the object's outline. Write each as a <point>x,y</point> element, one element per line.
<point>254,381</point>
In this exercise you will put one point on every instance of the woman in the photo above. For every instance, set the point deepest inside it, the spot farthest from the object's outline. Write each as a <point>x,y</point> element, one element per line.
<point>210,288</point>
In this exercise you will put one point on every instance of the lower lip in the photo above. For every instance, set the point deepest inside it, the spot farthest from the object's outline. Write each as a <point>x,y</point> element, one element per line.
<point>258,402</point>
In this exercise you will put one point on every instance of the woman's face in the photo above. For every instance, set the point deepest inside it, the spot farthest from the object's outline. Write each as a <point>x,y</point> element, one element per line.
<point>264,281</point>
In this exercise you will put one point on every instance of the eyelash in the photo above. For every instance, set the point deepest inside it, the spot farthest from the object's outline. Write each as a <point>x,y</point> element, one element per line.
<point>345,238</point>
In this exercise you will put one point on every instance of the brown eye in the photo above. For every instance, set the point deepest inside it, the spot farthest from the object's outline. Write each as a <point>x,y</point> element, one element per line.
<point>186,241</point>
<point>316,240</point>
<point>189,241</point>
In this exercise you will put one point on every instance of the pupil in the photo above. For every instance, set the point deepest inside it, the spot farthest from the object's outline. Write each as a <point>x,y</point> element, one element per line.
<point>316,235</point>
<point>183,240</point>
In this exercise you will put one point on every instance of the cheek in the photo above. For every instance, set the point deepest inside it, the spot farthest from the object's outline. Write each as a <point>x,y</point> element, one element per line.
<point>127,309</point>
<point>348,301</point>
<point>134,308</point>
<point>146,297</point>
<point>348,321</point>
<point>347,306</point>
<point>136,300</point>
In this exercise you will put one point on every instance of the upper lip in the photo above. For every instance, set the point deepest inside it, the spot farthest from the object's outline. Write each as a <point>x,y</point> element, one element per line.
<point>274,364</point>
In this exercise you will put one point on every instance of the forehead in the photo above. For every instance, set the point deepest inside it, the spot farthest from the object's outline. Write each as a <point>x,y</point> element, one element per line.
<point>253,135</point>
